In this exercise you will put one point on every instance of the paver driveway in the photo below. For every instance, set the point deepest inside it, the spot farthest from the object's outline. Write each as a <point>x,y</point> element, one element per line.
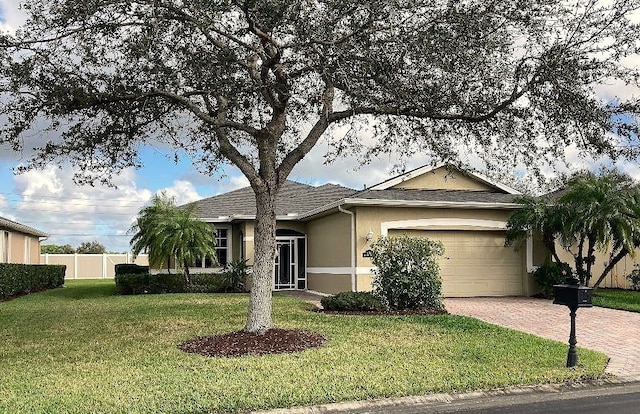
<point>614,332</point>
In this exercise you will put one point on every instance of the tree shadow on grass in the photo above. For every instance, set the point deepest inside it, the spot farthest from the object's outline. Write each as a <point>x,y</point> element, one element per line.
<point>81,291</point>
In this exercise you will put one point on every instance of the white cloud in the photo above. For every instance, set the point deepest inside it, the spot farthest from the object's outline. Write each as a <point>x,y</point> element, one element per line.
<point>182,191</point>
<point>49,201</point>
<point>13,16</point>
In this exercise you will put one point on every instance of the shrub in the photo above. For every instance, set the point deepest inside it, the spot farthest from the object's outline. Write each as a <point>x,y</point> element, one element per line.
<point>634,277</point>
<point>143,283</point>
<point>21,279</point>
<point>352,301</point>
<point>234,276</point>
<point>206,283</point>
<point>407,274</point>
<point>551,274</point>
<point>130,269</point>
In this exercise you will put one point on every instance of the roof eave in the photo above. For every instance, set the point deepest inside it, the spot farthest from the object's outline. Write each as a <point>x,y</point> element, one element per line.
<point>247,217</point>
<point>346,202</point>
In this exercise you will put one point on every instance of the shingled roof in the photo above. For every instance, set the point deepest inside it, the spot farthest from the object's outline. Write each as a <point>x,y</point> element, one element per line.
<point>453,196</point>
<point>293,200</point>
<point>297,200</point>
<point>5,223</point>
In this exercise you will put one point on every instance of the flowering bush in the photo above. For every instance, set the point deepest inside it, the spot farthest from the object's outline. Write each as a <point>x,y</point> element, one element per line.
<point>407,274</point>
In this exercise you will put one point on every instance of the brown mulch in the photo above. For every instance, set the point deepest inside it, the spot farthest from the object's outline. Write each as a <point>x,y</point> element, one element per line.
<point>235,344</point>
<point>406,312</point>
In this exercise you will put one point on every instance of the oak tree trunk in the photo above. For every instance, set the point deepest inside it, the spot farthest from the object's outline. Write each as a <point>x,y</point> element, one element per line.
<point>259,319</point>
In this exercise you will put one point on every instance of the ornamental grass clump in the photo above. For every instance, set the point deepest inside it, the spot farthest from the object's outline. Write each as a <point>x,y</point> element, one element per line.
<point>407,274</point>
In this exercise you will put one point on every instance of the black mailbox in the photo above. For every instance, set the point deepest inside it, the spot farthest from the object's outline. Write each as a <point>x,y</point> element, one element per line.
<point>572,295</point>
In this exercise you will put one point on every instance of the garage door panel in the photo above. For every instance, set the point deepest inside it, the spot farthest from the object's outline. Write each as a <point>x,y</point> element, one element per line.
<point>476,263</point>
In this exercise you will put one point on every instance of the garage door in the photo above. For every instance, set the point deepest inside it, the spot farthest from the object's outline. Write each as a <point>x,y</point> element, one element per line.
<point>475,263</point>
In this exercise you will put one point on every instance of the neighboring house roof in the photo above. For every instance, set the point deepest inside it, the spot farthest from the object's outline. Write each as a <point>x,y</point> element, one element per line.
<point>429,168</point>
<point>21,228</point>
<point>293,200</point>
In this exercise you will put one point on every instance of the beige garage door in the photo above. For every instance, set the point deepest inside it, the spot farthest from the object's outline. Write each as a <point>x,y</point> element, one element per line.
<point>475,263</point>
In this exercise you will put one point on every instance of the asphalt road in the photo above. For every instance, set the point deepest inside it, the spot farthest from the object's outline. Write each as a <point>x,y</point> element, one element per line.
<point>607,399</point>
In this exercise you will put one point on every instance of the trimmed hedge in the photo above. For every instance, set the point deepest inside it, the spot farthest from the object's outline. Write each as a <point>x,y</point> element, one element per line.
<point>142,283</point>
<point>130,269</point>
<point>21,279</point>
<point>145,283</point>
<point>352,301</point>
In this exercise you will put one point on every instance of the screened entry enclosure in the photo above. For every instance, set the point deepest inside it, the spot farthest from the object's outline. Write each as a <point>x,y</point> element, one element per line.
<point>290,263</point>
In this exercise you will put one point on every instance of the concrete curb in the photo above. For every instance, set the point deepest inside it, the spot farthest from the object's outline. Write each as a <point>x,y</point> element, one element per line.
<point>423,401</point>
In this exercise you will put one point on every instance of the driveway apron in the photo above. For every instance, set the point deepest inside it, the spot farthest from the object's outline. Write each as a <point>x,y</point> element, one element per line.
<point>613,332</point>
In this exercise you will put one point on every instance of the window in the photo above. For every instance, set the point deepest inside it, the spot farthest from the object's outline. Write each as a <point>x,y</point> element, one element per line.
<point>223,247</point>
<point>223,250</point>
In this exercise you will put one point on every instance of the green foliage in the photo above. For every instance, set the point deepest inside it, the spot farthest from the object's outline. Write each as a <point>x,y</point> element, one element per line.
<point>21,279</point>
<point>593,212</point>
<point>145,283</point>
<point>538,216</point>
<point>603,212</point>
<point>352,301</point>
<point>407,274</point>
<point>130,268</point>
<point>91,247</point>
<point>551,274</point>
<point>166,231</point>
<point>634,277</point>
<point>118,354</point>
<point>56,249</point>
<point>234,275</point>
<point>139,282</point>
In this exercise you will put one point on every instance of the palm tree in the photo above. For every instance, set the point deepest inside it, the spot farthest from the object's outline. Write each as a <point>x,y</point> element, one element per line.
<point>166,231</point>
<point>536,215</point>
<point>604,211</point>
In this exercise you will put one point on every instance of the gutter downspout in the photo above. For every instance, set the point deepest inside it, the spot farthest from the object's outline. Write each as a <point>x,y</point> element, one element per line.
<point>354,284</point>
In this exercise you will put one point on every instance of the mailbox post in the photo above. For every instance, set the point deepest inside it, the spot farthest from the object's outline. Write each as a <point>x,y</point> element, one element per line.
<point>575,296</point>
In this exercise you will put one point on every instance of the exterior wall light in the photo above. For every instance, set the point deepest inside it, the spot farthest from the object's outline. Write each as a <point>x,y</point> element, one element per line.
<point>369,236</point>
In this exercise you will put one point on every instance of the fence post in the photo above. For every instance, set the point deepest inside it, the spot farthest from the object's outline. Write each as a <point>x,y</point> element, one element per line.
<point>75,265</point>
<point>104,265</point>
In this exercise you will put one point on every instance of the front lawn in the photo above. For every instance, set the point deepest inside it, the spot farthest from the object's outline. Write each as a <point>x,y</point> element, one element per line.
<point>628,300</point>
<point>81,349</point>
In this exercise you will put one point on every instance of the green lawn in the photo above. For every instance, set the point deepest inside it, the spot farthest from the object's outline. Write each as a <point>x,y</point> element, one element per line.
<point>628,300</point>
<point>81,349</point>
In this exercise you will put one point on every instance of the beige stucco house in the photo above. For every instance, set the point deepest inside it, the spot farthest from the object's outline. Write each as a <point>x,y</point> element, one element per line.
<point>324,232</point>
<point>19,243</point>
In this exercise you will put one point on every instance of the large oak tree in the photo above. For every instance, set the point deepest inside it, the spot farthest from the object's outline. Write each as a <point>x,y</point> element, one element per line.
<point>257,83</point>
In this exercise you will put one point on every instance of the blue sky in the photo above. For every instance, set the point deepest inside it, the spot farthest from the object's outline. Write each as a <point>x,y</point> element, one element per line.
<point>48,200</point>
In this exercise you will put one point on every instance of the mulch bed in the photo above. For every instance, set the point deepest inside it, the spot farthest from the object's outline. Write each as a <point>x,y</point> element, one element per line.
<point>236,344</point>
<point>408,312</point>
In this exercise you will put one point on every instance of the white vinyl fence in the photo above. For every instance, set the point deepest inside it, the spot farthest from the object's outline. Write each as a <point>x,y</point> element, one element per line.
<point>92,266</point>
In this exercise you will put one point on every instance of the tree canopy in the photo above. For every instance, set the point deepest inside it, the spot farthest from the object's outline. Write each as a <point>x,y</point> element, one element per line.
<point>56,249</point>
<point>257,83</point>
<point>91,247</point>
<point>593,212</point>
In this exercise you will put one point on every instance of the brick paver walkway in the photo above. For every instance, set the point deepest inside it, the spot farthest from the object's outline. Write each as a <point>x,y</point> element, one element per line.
<point>614,332</point>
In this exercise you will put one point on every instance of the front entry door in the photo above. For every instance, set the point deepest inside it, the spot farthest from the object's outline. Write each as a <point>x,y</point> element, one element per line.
<point>289,271</point>
<point>286,264</point>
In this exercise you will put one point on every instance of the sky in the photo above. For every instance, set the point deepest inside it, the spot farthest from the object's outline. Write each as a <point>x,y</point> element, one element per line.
<point>48,200</point>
